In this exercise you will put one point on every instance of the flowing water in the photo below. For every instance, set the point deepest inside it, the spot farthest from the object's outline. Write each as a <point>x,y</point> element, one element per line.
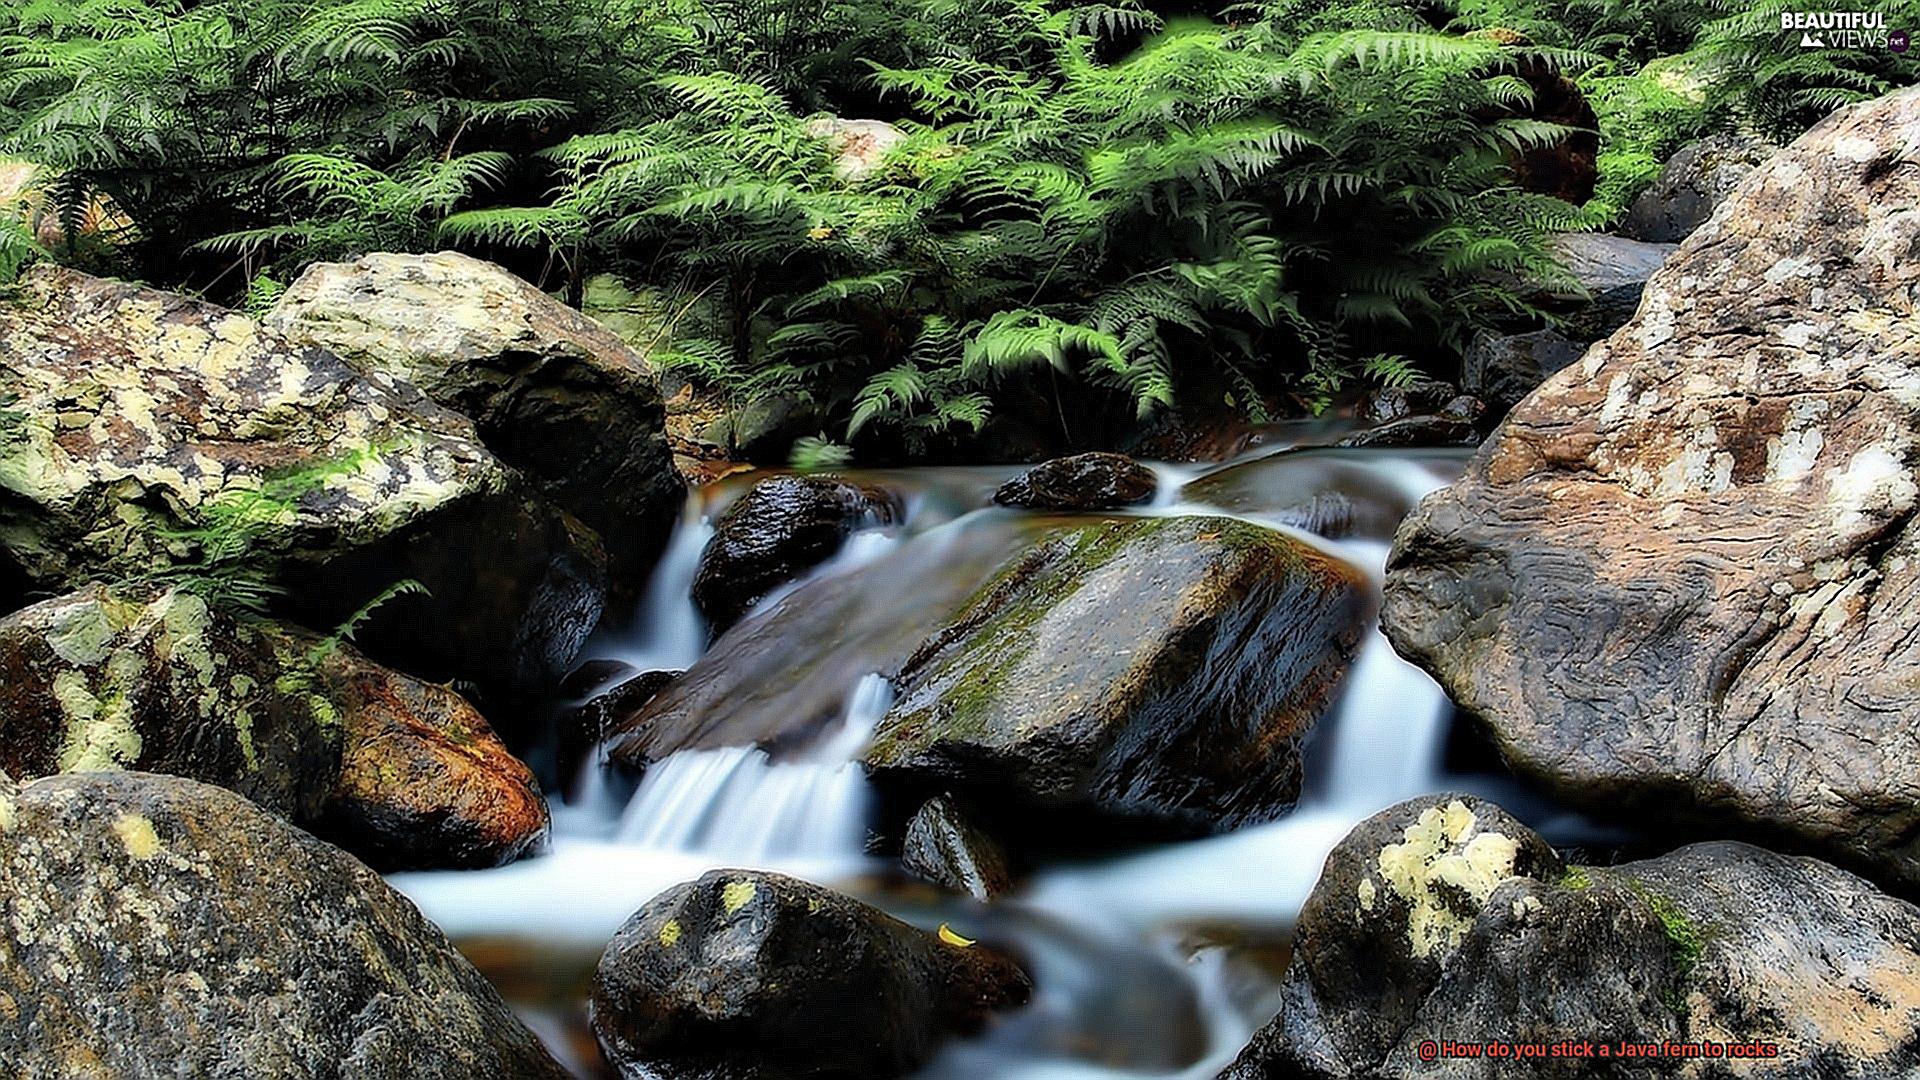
<point>1159,962</point>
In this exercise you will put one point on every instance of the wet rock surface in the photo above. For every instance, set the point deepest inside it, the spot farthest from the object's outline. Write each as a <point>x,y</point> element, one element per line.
<point>581,729</point>
<point>1681,579</point>
<point>1698,178</point>
<point>404,773</point>
<point>946,847</point>
<point>1188,711</point>
<point>141,431</point>
<point>746,975</point>
<point>551,392</point>
<point>780,528</point>
<point>1096,481</point>
<point>158,926</point>
<point>1444,919</point>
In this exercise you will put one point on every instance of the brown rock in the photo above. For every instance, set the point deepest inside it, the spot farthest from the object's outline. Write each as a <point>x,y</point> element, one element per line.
<point>1681,579</point>
<point>1095,481</point>
<point>403,773</point>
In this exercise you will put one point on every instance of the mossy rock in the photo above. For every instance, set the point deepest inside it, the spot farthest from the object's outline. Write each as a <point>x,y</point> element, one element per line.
<point>1156,668</point>
<point>404,773</point>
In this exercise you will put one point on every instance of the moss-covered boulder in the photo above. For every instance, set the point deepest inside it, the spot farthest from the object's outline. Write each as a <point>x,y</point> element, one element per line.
<point>552,392</point>
<point>1156,668</point>
<point>745,975</point>
<point>1443,920</point>
<point>144,431</point>
<point>403,773</point>
<point>157,926</point>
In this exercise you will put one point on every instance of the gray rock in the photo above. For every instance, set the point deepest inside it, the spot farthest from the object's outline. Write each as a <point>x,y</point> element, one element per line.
<point>552,393</point>
<point>1695,181</point>
<point>1420,398</point>
<point>782,527</point>
<point>1611,272</point>
<point>1441,430</point>
<point>1096,481</point>
<point>403,773</point>
<point>1686,583</point>
<point>1504,368</point>
<point>144,433</point>
<point>157,926</point>
<point>1443,919</point>
<point>746,975</point>
<point>944,847</point>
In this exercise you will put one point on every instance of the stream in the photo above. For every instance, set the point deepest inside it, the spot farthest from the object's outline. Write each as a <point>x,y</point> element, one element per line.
<point>1155,962</point>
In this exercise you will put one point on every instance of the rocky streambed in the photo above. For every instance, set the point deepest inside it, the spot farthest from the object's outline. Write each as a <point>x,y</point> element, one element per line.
<point>1578,754</point>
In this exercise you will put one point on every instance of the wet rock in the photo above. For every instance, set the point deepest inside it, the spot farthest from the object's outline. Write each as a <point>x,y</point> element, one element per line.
<point>552,393</point>
<point>1186,711</point>
<point>1443,919</point>
<point>745,974</point>
<point>580,730</point>
<point>781,528</point>
<point>944,847</point>
<point>1096,481</point>
<point>858,145</point>
<point>1330,492</point>
<point>1611,272</point>
<point>1504,368</point>
<point>159,927</point>
<point>143,432</point>
<point>1422,397</point>
<point>1681,579</point>
<point>401,772</point>
<point>1691,184</point>
<point>1442,430</point>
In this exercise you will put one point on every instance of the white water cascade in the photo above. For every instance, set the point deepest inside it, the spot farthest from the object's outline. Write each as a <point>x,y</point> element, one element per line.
<point>1102,937</point>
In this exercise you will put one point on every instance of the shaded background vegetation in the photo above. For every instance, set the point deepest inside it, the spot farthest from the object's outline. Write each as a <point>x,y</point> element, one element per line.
<point>1124,207</point>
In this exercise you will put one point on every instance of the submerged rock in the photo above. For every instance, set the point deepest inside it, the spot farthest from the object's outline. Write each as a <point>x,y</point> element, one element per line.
<point>745,974</point>
<point>1150,668</point>
<point>1691,184</point>
<point>141,431</point>
<point>945,847</point>
<point>1096,481</point>
<point>401,772</point>
<point>1442,919</point>
<point>552,393</point>
<point>782,527</point>
<point>157,926</point>
<point>1682,578</point>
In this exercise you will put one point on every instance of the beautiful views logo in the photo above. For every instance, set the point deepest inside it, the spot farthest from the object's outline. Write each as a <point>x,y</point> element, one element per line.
<point>1843,30</point>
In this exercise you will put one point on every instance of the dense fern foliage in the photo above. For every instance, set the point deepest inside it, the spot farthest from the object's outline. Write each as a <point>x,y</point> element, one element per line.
<point>1105,208</point>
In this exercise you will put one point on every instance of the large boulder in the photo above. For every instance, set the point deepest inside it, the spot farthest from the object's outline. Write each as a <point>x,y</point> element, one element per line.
<point>1682,578</point>
<point>401,772</point>
<point>1154,668</point>
<point>1691,185</point>
<point>553,393</point>
<point>144,433</point>
<point>157,926</point>
<point>744,975</point>
<point>1095,481</point>
<point>782,526</point>
<point>1443,921</point>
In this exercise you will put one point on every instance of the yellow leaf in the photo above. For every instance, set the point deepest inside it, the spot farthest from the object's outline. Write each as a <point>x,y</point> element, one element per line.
<point>947,935</point>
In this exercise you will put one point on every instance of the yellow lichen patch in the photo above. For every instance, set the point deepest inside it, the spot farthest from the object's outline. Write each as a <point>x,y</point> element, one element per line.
<point>136,833</point>
<point>735,895</point>
<point>670,934</point>
<point>1367,892</point>
<point>99,732</point>
<point>1445,872</point>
